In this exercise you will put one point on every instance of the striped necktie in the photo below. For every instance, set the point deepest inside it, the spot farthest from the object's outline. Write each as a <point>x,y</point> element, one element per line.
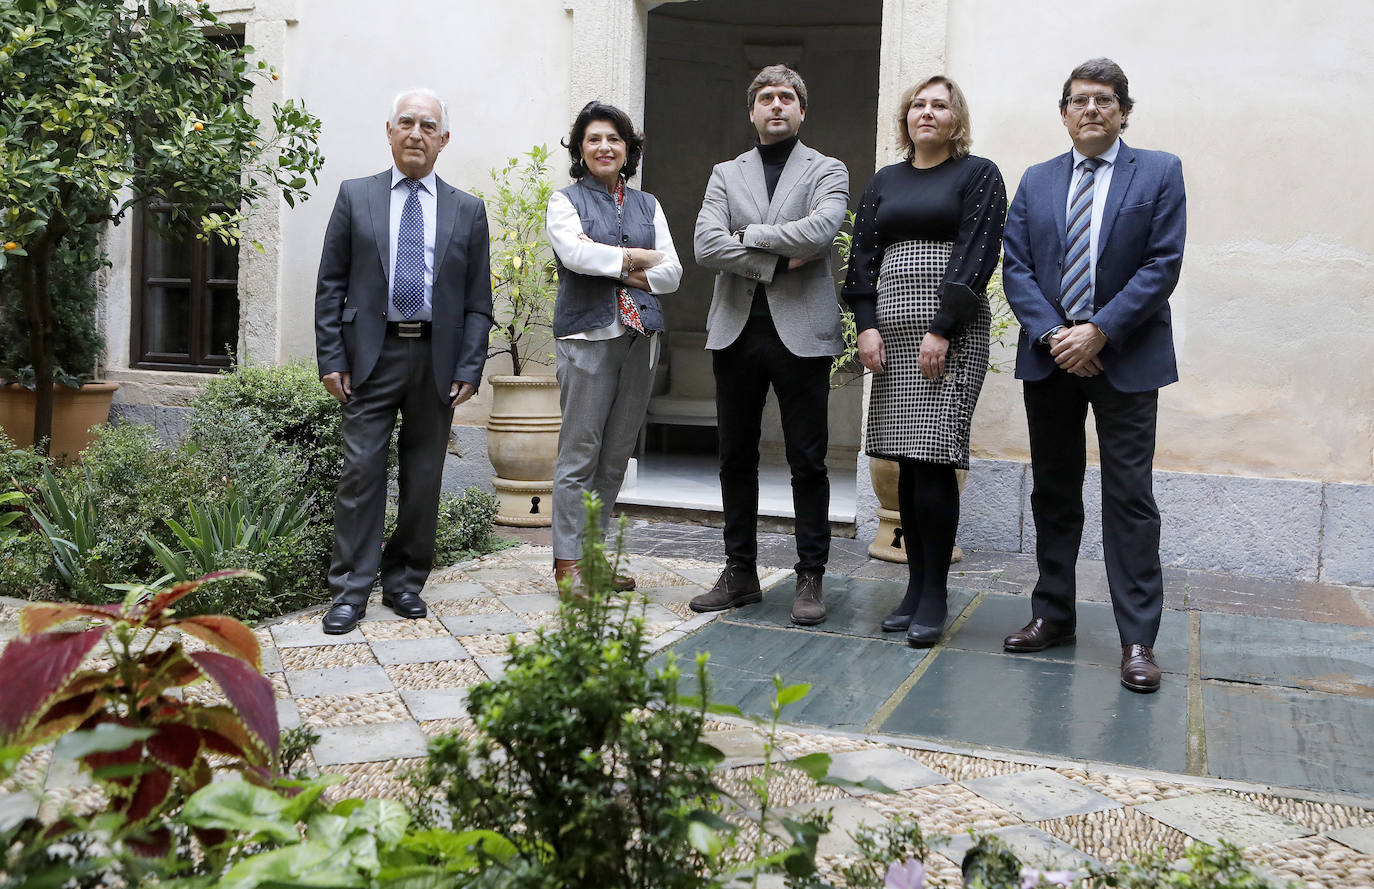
<point>1076,285</point>
<point>408,277</point>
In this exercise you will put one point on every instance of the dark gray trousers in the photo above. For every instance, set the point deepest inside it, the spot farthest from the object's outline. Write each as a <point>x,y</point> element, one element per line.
<point>403,382</point>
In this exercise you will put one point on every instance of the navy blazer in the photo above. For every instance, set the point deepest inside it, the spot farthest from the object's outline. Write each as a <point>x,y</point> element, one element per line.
<point>1139,252</point>
<point>351,294</point>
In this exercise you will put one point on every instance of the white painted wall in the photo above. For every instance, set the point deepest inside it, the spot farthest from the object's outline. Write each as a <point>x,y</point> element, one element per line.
<point>502,67</point>
<point>1265,105</point>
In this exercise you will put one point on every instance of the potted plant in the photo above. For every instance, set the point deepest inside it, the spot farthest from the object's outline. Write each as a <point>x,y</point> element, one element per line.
<point>77,348</point>
<point>522,435</point>
<point>104,105</point>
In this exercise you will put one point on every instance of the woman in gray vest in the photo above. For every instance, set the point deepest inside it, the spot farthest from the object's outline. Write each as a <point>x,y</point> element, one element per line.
<point>615,255</point>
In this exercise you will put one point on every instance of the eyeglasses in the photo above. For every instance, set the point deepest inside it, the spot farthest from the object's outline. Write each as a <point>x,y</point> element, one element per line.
<point>1103,102</point>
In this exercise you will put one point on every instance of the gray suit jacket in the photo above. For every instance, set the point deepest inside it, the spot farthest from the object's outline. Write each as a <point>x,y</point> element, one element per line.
<point>807,210</point>
<point>351,295</point>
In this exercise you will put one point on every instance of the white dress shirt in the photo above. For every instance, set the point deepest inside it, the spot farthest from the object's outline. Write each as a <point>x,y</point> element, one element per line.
<point>1102,181</point>
<point>585,257</point>
<point>429,206</point>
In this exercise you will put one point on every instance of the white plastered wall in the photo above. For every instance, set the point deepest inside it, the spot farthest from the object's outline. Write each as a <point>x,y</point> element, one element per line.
<point>1265,104</point>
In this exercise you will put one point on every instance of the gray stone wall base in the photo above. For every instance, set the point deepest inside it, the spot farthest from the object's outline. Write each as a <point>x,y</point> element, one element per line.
<point>1264,527</point>
<point>170,422</point>
<point>466,464</point>
<point>1347,554</point>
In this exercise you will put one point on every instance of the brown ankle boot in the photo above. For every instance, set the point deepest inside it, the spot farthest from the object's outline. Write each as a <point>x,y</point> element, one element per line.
<point>568,568</point>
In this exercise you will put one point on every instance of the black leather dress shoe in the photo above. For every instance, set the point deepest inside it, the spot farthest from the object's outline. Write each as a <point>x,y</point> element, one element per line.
<point>1139,672</point>
<point>896,623</point>
<point>1038,635</point>
<point>918,636</point>
<point>343,618</point>
<point>405,604</point>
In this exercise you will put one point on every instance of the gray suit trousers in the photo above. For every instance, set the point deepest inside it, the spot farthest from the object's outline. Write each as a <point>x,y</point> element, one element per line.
<point>604,388</point>
<point>402,381</point>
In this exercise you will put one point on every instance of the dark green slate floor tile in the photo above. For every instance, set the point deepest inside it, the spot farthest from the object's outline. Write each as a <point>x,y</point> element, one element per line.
<point>850,678</point>
<point>854,606</point>
<point>1290,737</point>
<point>1299,654</point>
<point>1098,642</point>
<point>1073,710</point>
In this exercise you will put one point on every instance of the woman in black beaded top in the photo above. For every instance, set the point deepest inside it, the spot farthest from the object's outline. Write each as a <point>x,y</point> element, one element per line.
<point>926,240</point>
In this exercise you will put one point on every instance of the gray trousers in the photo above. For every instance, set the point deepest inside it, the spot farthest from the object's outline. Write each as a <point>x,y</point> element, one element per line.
<point>402,381</point>
<point>604,388</point>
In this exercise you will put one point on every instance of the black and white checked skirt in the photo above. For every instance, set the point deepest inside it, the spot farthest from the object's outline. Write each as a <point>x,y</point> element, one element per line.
<point>908,415</point>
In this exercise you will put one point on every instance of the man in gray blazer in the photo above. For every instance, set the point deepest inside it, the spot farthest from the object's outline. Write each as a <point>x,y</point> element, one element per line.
<point>766,225</point>
<point>402,311</point>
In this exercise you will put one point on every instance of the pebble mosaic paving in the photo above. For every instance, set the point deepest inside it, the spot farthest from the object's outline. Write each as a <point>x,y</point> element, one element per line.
<point>1046,750</point>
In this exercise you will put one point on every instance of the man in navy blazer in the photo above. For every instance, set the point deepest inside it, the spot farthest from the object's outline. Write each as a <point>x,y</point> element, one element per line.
<point>402,313</point>
<point>1094,242</point>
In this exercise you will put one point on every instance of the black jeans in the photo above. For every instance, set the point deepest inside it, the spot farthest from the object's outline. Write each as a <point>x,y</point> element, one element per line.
<point>1056,410</point>
<point>744,370</point>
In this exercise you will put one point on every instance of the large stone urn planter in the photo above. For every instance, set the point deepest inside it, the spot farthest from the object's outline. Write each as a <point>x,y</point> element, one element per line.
<point>522,444</point>
<point>890,542</point>
<point>74,412</point>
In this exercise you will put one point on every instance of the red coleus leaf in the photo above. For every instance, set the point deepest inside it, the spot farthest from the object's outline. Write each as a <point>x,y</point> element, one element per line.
<point>154,786</point>
<point>114,766</point>
<point>64,715</point>
<point>168,668</point>
<point>36,670</point>
<point>176,747</point>
<point>152,612</point>
<point>248,691</point>
<point>227,634</point>
<point>40,616</point>
<point>153,844</point>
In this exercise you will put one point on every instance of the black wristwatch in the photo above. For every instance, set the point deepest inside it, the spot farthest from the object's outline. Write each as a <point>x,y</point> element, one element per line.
<point>1045,340</point>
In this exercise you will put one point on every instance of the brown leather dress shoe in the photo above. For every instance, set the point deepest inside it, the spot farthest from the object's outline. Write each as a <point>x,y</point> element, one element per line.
<point>1038,635</point>
<point>1139,672</point>
<point>621,583</point>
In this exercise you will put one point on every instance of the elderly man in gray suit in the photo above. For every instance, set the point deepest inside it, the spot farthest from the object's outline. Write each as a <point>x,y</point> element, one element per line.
<point>402,311</point>
<point>766,225</point>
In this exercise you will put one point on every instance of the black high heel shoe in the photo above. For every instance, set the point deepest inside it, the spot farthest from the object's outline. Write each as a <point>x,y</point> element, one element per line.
<point>918,636</point>
<point>897,623</point>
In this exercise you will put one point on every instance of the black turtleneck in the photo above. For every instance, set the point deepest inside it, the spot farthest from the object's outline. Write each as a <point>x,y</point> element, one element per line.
<point>774,159</point>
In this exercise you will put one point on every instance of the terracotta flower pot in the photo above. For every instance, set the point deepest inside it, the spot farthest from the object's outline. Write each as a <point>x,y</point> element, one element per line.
<point>74,412</point>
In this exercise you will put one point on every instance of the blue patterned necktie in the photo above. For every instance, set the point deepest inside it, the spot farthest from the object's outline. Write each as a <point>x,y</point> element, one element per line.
<point>1076,285</point>
<point>408,277</point>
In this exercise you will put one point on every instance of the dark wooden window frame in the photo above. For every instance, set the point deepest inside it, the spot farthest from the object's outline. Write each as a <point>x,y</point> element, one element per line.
<point>200,356</point>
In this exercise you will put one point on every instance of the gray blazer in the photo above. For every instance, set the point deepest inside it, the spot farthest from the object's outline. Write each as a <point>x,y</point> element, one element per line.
<point>807,210</point>
<point>351,295</point>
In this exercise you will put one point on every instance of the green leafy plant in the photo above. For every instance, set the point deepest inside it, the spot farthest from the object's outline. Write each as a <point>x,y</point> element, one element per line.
<point>465,526</point>
<point>353,842</point>
<point>108,105</point>
<point>149,745</point>
<point>989,864</point>
<point>71,523</point>
<point>9,517</point>
<point>76,343</point>
<point>524,275</point>
<point>899,841</point>
<point>582,757</point>
<point>223,533</point>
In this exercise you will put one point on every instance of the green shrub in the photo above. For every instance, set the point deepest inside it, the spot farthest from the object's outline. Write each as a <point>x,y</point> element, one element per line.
<point>465,526</point>
<point>582,756</point>
<point>77,344</point>
<point>242,416</point>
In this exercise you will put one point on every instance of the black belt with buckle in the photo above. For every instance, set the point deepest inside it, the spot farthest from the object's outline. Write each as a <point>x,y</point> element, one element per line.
<point>1072,323</point>
<point>410,330</point>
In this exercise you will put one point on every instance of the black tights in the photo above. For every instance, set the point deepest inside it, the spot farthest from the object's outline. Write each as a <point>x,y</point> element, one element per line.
<point>928,497</point>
